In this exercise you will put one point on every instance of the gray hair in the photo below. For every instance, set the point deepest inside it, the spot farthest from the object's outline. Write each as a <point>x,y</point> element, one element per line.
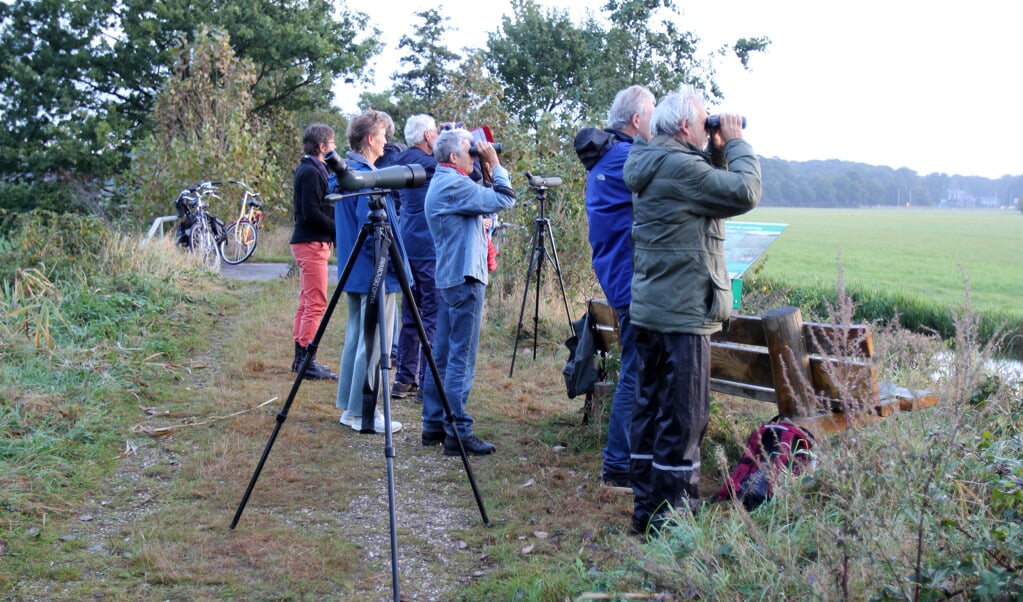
<point>416,127</point>
<point>628,102</point>
<point>674,109</point>
<point>450,142</point>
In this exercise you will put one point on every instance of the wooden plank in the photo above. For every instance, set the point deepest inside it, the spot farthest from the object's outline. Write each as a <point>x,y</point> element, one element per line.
<point>834,422</point>
<point>741,363</point>
<point>605,322</point>
<point>829,339</point>
<point>852,380</point>
<point>737,389</point>
<point>908,400</point>
<point>743,330</point>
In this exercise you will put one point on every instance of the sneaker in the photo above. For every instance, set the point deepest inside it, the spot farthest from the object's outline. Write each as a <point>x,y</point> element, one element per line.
<point>616,481</point>
<point>346,418</point>
<point>378,425</point>
<point>433,438</point>
<point>473,446</point>
<point>402,390</point>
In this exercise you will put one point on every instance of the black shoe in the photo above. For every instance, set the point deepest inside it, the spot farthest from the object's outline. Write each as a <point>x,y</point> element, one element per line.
<point>316,371</point>
<point>473,446</point>
<point>433,438</point>
<point>402,390</point>
<point>616,480</point>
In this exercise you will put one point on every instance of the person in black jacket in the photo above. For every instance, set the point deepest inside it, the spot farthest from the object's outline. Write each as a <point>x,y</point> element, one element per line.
<point>311,241</point>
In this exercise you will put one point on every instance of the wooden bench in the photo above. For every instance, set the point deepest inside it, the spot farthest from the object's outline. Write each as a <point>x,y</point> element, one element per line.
<point>820,375</point>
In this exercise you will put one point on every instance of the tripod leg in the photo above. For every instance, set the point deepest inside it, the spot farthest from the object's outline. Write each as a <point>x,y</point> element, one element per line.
<point>382,240</point>
<point>561,280</point>
<point>406,291</point>
<point>533,258</point>
<point>541,253</point>
<point>312,347</point>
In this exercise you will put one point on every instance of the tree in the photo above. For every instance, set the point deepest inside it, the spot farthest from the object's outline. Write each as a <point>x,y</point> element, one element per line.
<point>428,63</point>
<point>550,65</point>
<point>204,130</point>
<point>80,78</point>
<point>545,62</point>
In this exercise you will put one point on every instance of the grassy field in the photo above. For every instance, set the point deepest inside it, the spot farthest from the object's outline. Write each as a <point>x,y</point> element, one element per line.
<point>919,253</point>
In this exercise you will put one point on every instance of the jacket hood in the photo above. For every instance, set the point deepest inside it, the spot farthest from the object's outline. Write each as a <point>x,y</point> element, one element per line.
<point>643,162</point>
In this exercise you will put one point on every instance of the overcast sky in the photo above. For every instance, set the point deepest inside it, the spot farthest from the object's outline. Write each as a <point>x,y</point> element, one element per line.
<point>932,86</point>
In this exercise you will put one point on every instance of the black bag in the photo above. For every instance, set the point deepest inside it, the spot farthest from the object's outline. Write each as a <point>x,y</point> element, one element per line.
<point>591,144</point>
<point>580,370</point>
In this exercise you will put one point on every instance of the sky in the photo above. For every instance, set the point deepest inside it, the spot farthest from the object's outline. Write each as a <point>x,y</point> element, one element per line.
<point>930,86</point>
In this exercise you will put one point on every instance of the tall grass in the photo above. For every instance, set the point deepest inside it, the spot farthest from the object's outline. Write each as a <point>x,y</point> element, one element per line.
<point>80,331</point>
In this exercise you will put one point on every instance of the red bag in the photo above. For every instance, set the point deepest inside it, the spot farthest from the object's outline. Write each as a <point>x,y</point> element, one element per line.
<point>773,447</point>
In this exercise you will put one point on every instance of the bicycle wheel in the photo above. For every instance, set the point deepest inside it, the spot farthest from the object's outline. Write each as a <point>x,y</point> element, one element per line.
<point>203,243</point>
<point>240,242</point>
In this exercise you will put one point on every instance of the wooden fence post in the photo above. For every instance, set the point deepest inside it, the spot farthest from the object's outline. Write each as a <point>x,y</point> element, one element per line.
<point>790,363</point>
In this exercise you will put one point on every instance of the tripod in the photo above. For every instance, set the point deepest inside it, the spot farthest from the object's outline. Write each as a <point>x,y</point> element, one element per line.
<point>384,247</point>
<point>541,231</point>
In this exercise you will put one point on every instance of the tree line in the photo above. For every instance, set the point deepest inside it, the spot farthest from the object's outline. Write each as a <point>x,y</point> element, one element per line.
<point>835,183</point>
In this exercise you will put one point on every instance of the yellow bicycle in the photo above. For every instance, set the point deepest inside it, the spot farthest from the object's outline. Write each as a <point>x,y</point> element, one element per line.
<point>243,233</point>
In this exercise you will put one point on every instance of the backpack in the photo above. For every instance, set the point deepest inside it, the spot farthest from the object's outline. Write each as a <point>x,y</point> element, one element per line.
<point>773,447</point>
<point>580,370</point>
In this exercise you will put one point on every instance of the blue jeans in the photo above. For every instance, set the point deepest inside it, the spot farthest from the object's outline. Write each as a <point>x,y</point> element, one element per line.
<point>457,340</point>
<point>412,362</point>
<point>352,373</point>
<point>619,423</point>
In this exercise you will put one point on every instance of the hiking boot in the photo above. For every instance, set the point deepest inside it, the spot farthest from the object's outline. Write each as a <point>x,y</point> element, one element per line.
<point>433,438</point>
<point>402,390</point>
<point>616,481</point>
<point>317,371</point>
<point>378,425</point>
<point>473,446</point>
<point>419,396</point>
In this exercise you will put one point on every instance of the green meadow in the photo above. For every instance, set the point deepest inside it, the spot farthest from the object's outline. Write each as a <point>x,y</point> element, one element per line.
<point>917,260</point>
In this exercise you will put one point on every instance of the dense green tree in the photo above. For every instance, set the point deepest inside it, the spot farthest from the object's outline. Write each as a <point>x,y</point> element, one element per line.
<point>545,61</point>
<point>550,64</point>
<point>79,78</point>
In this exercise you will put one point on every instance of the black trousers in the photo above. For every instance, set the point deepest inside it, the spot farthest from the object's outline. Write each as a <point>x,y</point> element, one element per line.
<point>669,420</point>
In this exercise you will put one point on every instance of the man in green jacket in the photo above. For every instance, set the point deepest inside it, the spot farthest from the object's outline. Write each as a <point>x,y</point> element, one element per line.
<point>681,292</point>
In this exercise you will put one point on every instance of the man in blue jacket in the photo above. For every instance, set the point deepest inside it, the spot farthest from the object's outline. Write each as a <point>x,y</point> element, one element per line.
<point>609,212</point>
<point>420,133</point>
<point>455,206</point>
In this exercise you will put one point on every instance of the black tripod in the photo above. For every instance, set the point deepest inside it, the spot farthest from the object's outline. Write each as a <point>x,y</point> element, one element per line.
<point>384,246</point>
<point>541,232</point>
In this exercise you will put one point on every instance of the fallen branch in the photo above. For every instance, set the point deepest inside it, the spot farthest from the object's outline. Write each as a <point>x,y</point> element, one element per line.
<point>164,431</point>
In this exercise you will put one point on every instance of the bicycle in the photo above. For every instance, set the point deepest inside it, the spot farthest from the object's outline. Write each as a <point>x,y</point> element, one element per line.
<point>198,231</point>
<point>242,235</point>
